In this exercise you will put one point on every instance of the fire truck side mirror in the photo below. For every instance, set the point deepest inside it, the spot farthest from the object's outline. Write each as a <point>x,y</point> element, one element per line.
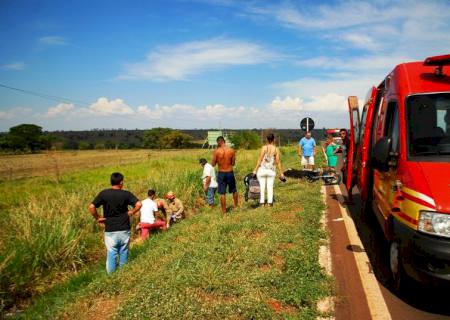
<point>380,158</point>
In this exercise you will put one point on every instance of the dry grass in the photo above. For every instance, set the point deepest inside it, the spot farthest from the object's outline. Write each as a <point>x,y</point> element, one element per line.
<point>60,162</point>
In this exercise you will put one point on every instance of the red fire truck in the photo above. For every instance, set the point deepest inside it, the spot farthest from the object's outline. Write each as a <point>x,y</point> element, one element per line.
<point>399,157</point>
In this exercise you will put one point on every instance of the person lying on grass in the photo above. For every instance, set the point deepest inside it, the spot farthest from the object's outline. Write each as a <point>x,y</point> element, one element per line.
<point>150,218</point>
<point>116,220</point>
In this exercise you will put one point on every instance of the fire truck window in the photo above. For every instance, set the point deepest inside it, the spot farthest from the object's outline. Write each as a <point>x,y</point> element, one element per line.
<point>395,131</point>
<point>355,125</point>
<point>428,121</point>
<point>391,126</point>
<point>363,123</point>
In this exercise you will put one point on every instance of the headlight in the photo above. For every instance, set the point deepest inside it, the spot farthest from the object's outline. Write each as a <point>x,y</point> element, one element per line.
<point>434,223</point>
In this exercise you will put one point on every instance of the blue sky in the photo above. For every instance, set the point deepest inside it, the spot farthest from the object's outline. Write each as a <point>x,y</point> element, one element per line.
<point>203,64</point>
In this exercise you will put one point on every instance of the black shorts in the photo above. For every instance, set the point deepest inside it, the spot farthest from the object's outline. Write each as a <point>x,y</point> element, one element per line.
<point>225,179</point>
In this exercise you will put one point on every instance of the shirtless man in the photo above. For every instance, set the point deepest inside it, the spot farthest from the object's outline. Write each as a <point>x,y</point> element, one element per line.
<point>225,157</point>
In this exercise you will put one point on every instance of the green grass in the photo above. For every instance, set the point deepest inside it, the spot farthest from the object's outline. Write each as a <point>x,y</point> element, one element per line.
<point>47,233</point>
<point>253,263</point>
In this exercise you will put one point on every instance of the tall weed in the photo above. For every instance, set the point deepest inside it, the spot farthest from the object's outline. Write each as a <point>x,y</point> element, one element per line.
<point>47,231</point>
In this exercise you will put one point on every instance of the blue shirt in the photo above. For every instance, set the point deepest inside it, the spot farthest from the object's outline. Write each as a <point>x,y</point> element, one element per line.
<point>307,146</point>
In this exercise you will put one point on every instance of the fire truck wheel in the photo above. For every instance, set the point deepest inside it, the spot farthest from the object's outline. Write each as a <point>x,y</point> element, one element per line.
<point>396,266</point>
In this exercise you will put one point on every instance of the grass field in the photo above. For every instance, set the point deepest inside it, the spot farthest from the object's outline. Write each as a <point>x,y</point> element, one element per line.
<point>58,163</point>
<point>253,263</point>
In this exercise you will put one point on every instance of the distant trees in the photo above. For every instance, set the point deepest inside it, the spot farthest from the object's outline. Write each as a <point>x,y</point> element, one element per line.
<point>153,137</point>
<point>176,140</point>
<point>83,145</point>
<point>26,137</point>
<point>246,139</point>
<point>165,138</point>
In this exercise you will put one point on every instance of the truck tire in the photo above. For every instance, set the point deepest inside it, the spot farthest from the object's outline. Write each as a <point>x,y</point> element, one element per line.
<point>400,280</point>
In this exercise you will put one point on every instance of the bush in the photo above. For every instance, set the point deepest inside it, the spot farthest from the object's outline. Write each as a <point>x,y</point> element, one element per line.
<point>153,137</point>
<point>246,140</point>
<point>83,145</point>
<point>176,140</point>
<point>165,138</point>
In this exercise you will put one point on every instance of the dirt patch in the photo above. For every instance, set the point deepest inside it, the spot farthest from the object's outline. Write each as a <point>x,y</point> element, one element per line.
<point>286,246</point>
<point>97,309</point>
<point>288,216</point>
<point>278,307</point>
<point>256,235</point>
<point>264,268</point>
<point>278,261</point>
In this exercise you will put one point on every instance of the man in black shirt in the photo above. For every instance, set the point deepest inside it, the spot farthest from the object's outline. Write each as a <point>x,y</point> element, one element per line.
<point>116,219</point>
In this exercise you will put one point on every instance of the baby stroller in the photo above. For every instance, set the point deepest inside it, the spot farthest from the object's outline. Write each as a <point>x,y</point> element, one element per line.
<point>252,189</point>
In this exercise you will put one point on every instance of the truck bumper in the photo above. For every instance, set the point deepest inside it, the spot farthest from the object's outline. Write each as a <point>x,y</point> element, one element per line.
<point>425,258</point>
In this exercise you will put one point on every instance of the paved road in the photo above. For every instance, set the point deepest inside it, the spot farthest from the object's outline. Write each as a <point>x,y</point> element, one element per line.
<point>352,302</point>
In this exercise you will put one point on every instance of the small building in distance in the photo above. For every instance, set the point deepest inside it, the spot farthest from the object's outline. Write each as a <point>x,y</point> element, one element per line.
<point>211,139</point>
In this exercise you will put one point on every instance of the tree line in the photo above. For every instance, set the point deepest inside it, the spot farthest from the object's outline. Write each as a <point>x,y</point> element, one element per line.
<point>31,138</point>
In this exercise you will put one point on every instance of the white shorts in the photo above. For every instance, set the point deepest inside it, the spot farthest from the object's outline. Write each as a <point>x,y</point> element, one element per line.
<point>307,160</point>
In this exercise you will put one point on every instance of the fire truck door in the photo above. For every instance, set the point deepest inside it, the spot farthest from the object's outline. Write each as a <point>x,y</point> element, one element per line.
<point>384,182</point>
<point>354,137</point>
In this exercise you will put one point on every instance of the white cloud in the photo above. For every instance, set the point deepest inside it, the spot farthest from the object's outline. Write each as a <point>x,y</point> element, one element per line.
<point>14,113</point>
<point>105,107</point>
<point>191,113</point>
<point>312,87</point>
<point>329,102</point>
<point>327,110</point>
<point>53,41</point>
<point>181,61</point>
<point>60,109</point>
<point>16,66</point>
<point>360,41</point>
<point>287,104</point>
<point>401,27</point>
<point>343,14</point>
<point>368,65</point>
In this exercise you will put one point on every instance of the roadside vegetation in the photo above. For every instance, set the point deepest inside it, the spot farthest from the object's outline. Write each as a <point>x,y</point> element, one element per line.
<point>253,263</point>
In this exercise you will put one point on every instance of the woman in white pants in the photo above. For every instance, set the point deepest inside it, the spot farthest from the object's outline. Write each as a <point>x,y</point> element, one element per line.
<point>265,169</point>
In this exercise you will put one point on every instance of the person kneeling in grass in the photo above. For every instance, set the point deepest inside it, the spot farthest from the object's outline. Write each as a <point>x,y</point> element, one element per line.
<point>150,218</point>
<point>174,208</point>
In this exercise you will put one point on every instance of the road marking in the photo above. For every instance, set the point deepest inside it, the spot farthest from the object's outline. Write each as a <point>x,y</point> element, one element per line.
<point>375,300</point>
<point>325,306</point>
<point>338,219</point>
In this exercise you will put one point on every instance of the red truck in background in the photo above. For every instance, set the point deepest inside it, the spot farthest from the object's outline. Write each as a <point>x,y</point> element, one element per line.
<point>399,157</point>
